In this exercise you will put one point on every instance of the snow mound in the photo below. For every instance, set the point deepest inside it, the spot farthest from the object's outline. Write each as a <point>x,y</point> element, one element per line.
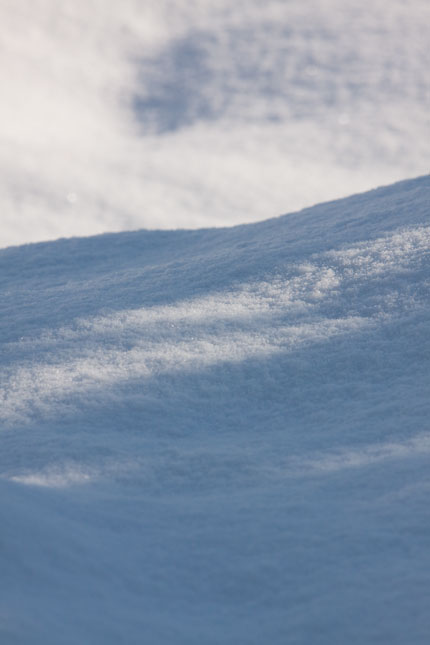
<point>220,435</point>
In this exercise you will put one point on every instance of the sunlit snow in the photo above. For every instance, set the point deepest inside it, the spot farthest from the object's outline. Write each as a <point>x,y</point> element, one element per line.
<point>171,113</point>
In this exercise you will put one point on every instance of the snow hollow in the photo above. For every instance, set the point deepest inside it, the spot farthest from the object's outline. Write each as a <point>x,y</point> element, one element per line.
<point>220,435</point>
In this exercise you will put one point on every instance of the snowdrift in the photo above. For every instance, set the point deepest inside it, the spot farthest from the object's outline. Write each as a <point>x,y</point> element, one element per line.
<point>221,435</point>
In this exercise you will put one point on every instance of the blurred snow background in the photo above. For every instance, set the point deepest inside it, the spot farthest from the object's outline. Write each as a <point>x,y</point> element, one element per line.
<point>166,114</point>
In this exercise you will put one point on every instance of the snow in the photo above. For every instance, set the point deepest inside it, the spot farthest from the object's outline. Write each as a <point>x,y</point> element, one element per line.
<point>220,435</point>
<point>170,114</point>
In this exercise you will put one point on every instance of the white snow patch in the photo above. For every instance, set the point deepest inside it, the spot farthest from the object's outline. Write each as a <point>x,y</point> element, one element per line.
<point>54,478</point>
<point>418,445</point>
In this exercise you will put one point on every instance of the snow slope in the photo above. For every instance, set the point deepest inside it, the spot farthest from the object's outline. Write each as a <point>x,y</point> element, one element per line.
<point>193,113</point>
<point>220,435</point>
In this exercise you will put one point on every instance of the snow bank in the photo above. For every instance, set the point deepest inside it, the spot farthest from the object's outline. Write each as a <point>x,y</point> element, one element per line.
<point>220,435</point>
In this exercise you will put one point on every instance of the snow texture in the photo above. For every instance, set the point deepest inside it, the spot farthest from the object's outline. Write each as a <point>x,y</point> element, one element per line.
<point>220,435</point>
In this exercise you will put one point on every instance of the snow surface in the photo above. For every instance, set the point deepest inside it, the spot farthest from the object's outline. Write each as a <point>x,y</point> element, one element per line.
<point>221,435</point>
<point>192,113</point>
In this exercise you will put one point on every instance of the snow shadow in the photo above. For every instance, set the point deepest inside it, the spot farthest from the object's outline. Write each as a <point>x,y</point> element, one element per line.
<point>208,75</point>
<point>177,86</point>
<point>121,563</point>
